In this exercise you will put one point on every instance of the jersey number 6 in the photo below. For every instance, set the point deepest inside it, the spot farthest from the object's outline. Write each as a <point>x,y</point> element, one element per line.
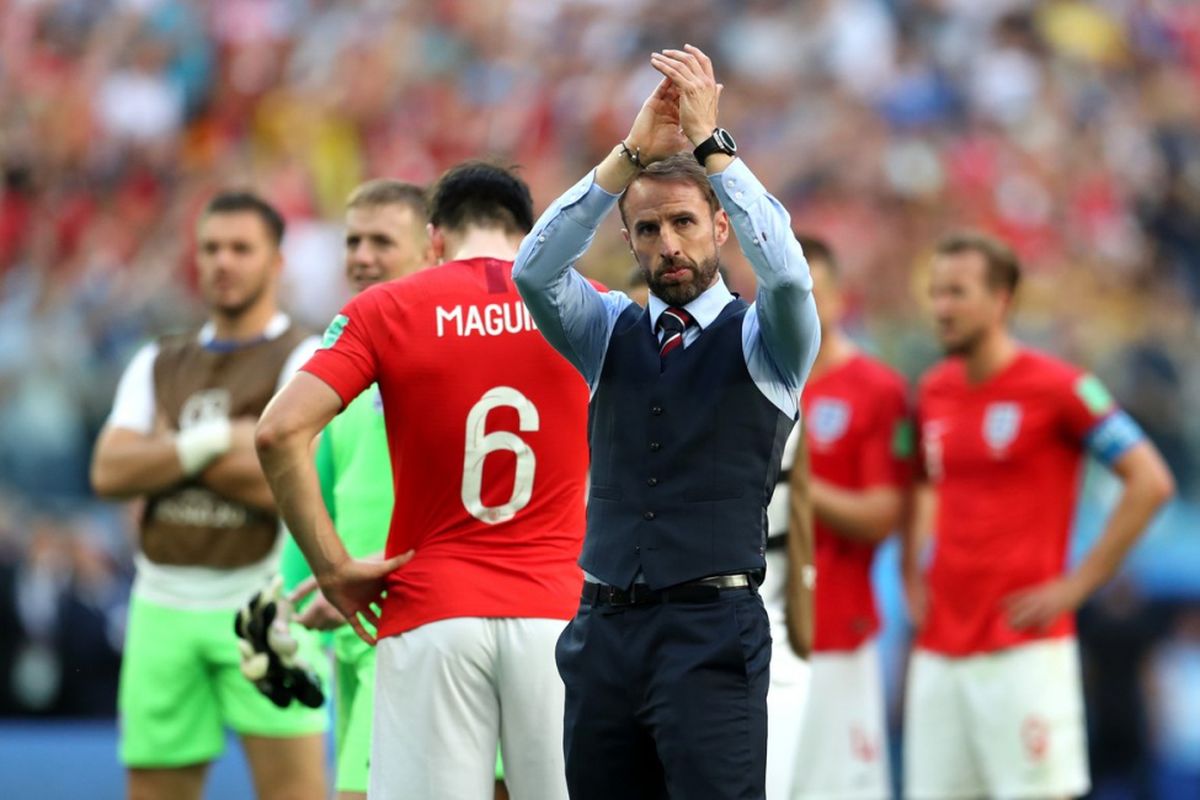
<point>480,444</point>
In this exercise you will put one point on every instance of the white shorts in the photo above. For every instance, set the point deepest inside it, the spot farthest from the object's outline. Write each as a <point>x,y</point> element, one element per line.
<point>843,750</point>
<point>447,691</point>
<point>1006,724</point>
<point>788,688</point>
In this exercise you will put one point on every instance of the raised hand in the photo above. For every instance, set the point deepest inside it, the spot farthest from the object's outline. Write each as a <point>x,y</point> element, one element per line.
<point>691,72</point>
<point>655,133</point>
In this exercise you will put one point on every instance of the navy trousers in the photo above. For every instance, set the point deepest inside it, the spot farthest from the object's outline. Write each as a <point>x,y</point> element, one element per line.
<point>668,700</point>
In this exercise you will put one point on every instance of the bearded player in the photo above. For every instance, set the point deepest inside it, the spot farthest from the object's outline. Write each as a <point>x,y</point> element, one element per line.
<point>994,705</point>
<point>486,428</point>
<point>385,240</point>
<point>180,435</point>
<point>859,438</point>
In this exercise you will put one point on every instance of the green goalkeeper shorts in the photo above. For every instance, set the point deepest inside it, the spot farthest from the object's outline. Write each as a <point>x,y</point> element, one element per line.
<point>181,687</point>
<point>354,701</point>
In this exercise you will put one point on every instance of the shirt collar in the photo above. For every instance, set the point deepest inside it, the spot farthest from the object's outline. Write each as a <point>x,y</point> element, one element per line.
<point>704,309</point>
<point>275,328</point>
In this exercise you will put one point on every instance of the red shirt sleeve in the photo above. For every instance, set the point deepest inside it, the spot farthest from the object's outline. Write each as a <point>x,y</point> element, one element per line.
<point>887,449</point>
<point>1085,404</point>
<point>347,359</point>
<point>919,462</point>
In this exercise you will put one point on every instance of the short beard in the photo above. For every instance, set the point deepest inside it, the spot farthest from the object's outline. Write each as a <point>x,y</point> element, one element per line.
<point>680,294</point>
<point>235,311</point>
<point>965,347</point>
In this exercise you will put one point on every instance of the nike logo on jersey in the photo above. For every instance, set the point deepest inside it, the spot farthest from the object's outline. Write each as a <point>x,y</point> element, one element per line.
<point>493,319</point>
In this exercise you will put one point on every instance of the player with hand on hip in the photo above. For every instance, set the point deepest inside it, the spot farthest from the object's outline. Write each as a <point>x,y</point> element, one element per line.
<point>385,240</point>
<point>486,429</point>
<point>994,705</point>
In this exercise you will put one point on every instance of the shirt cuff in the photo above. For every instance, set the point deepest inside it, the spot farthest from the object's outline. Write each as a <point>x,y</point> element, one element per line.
<point>587,202</point>
<point>736,184</point>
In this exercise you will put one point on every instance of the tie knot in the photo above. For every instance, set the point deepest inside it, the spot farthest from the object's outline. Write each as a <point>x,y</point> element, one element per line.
<point>675,320</point>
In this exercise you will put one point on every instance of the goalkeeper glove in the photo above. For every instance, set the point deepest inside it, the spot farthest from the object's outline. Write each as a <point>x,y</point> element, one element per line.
<point>268,650</point>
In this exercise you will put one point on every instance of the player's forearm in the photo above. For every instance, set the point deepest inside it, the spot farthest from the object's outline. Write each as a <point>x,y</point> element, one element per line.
<point>130,465</point>
<point>868,515</point>
<point>1145,492</point>
<point>284,439</point>
<point>916,528</point>
<point>801,573</point>
<point>238,476</point>
<point>292,478</point>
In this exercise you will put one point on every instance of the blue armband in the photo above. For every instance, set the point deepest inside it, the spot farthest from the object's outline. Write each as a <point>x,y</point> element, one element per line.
<point>1112,437</point>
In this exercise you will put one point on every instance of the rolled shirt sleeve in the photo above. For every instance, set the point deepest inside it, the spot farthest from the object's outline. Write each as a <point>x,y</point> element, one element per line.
<point>781,337</point>
<point>576,318</point>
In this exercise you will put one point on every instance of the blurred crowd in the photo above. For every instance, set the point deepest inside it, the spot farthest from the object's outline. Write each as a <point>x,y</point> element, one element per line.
<point>1071,128</point>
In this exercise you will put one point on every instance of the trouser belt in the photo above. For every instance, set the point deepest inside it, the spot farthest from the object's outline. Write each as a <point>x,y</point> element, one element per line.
<point>640,594</point>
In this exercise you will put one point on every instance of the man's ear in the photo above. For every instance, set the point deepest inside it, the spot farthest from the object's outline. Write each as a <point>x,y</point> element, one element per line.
<point>437,243</point>
<point>721,227</point>
<point>625,236</point>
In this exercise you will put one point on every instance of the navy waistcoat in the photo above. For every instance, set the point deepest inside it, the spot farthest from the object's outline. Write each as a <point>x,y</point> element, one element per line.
<point>683,461</point>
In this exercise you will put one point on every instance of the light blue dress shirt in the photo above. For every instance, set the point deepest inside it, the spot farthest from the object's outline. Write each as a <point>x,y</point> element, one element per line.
<point>780,332</point>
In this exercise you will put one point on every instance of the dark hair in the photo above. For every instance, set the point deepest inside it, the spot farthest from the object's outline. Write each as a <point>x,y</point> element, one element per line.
<point>483,194</point>
<point>233,202</point>
<point>389,192</point>
<point>1003,268</point>
<point>682,168</point>
<point>817,249</point>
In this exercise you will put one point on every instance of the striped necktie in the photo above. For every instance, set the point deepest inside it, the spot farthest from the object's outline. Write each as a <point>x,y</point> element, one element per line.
<point>672,322</point>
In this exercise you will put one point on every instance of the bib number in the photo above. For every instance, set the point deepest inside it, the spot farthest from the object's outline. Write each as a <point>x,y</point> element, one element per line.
<point>480,444</point>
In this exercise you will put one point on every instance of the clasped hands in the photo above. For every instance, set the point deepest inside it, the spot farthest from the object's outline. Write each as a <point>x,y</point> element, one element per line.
<point>681,112</point>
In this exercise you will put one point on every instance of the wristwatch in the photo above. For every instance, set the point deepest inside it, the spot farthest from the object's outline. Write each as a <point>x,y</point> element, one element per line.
<point>719,142</point>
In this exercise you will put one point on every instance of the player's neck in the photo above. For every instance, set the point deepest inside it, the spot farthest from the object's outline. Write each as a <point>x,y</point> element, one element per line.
<point>482,243</point>
<point>250,324</point>
<point>836,349</point>
<point>993,353</point>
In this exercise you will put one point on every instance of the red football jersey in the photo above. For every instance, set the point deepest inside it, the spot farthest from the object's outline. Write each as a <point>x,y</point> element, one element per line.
<point>859,436</point>
<point>487,433</point>
<point>1005,458</point>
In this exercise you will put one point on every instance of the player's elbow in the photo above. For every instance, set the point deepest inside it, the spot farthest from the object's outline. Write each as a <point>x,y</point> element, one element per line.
<point>106,477</point>
<point>1160,483</point>
<point>275,430</point>
<point>884,512</point>
<point>1146,476</point>
<point>104,482</point>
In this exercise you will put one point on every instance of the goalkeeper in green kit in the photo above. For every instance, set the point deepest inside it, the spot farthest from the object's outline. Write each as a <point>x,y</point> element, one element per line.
<point>385,239</point>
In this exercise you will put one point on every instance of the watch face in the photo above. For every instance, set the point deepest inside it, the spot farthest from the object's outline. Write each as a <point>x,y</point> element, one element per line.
<point>726,141</point>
